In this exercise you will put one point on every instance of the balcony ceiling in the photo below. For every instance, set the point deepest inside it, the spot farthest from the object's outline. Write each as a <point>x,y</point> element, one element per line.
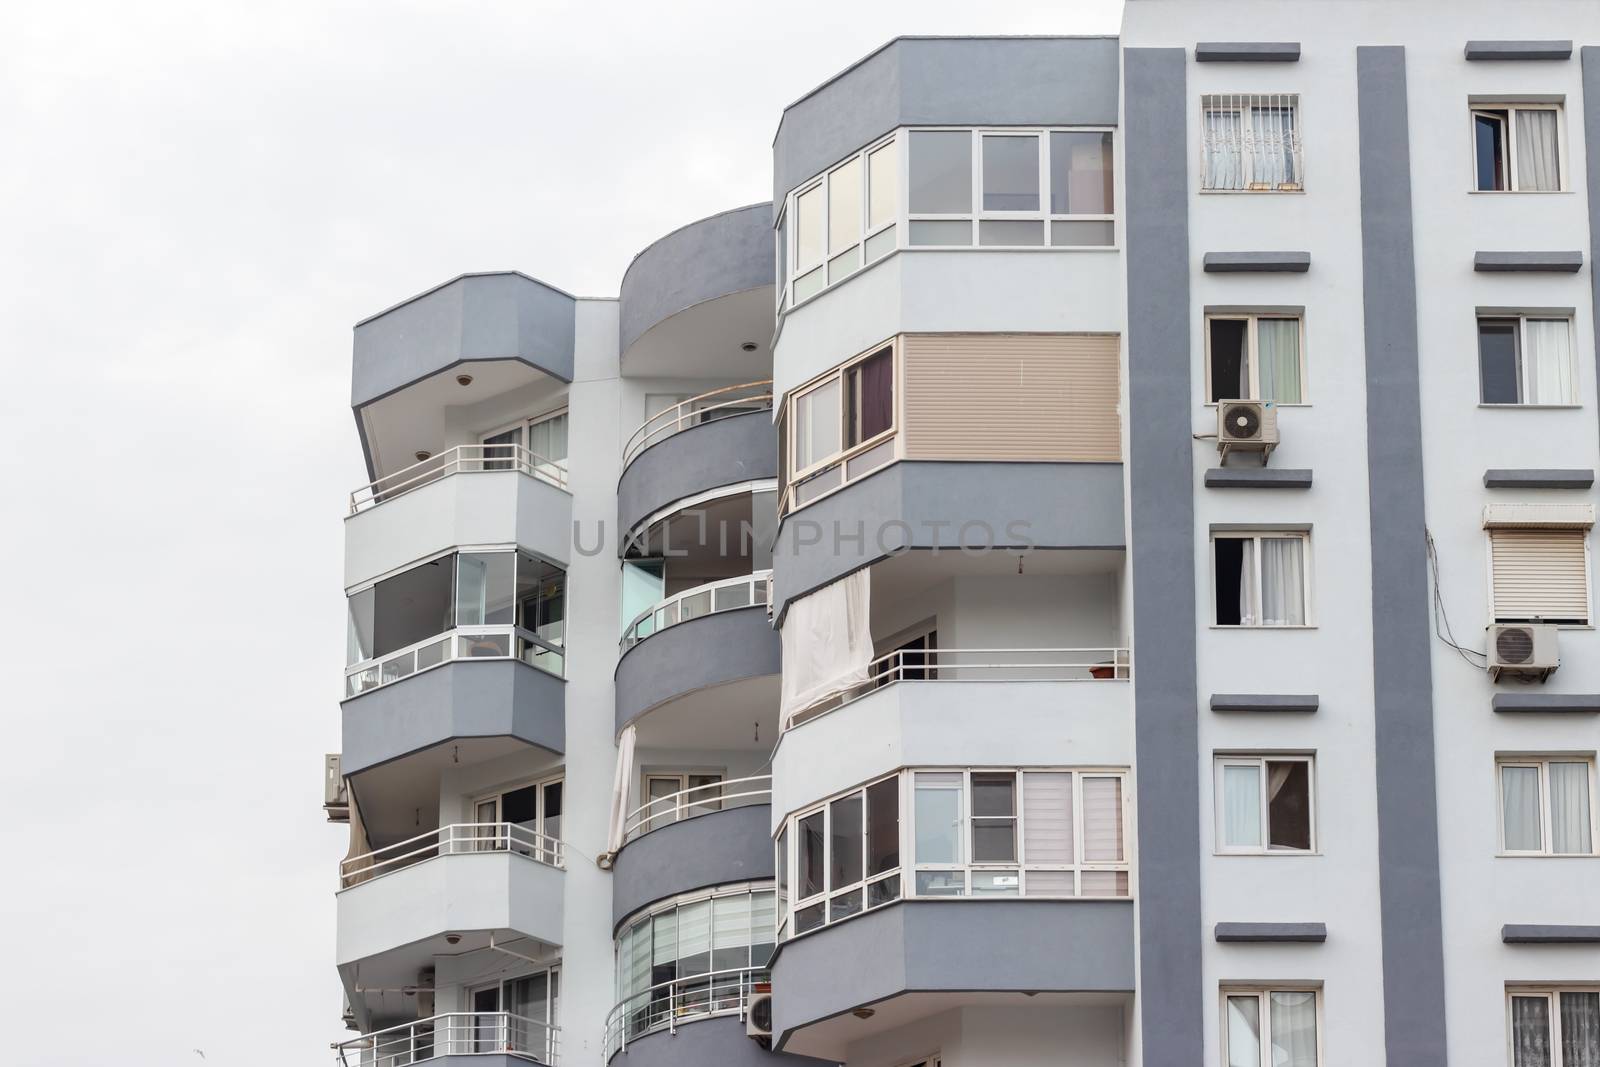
<point>911,572</point>
<point>400,799</point>
<point>738,715</point>
<point>703,341</point>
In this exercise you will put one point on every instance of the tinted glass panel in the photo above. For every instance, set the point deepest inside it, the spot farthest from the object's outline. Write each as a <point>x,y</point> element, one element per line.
<point>1010,173</point>
<point>1289,804</point>
<point>1230,376</point>
<point>1080,173</point>
<point>1498,362</point>
<point>883,826</point>
<point>941,172</point>
<point>845,830</point>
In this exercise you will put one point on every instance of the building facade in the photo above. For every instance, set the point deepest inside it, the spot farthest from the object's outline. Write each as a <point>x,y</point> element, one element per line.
<point>1095,572</point>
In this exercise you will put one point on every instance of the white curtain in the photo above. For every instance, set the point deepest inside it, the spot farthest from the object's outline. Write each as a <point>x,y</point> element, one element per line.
<point>1537,167</point>
<point>1278,353</point>
<point>1569,808</point>
<point>827,642</point>
<point>1247,582</point>
<point>1272,145</point>
<point>1241,806</point>
<point>1223,150</point>
<point>619,790</point>
<point>1580,1030</point>
<point>1244,1031</point>
<point>1283,590</point>
<point>1519,799</point>
<point>1547,362</point>
<point>1530,1031</point>
<point>1294,1029</point>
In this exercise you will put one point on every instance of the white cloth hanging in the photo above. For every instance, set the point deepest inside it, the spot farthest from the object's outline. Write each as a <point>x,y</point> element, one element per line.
<point>618,826</point>
<point>827,642</point>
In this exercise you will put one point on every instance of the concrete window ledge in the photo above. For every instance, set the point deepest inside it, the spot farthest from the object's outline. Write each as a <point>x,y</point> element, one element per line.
<point>1258,478</point>
<point>1253,702</point>
<point>1257,262</point>
<point>1502,50</point>
<point>1273,933</point>
<point>1247,52</point>
<point>1543,478</point>
<point>1534,934</point>
<point>1560,703</point>
<point>1527,262</point>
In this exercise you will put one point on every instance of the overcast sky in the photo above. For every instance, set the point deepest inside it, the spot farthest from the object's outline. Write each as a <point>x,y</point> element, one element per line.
<point>197,202</point>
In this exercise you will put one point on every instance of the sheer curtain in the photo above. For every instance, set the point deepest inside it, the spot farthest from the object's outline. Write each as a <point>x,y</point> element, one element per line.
<point>1294,1029</point>
<point>827,642</point>
<point>1247,583</point>
<point>1272,145</point>
<point>1547,361</point>
<point>1569,807</point>
<point>1278,353</point>
<point>1537,167</point>
<point>1241,806</point>
<point>1224,155</point>
<point>619,789</point>
<point>1580,1030</point>
<point>1519,788</point>
<point>1244,1031</point>
<point>1530,1031</point>
<point>1283,587</point>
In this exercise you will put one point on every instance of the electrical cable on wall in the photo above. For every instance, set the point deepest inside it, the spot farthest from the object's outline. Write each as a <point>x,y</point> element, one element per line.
<point>1441,618</point>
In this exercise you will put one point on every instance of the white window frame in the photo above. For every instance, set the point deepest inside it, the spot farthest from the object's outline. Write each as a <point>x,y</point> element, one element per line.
<point>525,424</point>
<point>1552,994</point>
<point>1552,315</point>
<point>1588,578</point>
<point>1263,991</point>
<point>1259,761</point>
<point>1243,103</point>
<point>1541,762</point>
<point>841,457</point>
<point>681,809</point>
<point>1481,105</point>
<point>786,922</point>
<point>1251,320</point>
<point>497,798</point>
<point>1257,535</point>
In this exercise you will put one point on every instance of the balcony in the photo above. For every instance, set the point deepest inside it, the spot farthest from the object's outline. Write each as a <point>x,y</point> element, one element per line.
<point>732,649</point>
<point>727,594</point>
<point>490,1038</point>
<point>664,1007</point>
<point>703,836</point>
<point>463,643</point>
<point>467,495</point>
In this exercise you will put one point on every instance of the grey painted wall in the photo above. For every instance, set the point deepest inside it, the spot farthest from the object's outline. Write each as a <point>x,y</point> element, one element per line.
<point>712,849</point>
<point>922,81</point>
<point>1160,451</point>
<point>692,655</point>
<point>1590,58</point>
<point>473,317</point>
<point>726,253</point>
<point>1408,840</point>
<point>1058,505</point>
<point>719,1042</point>
<point>739,448</point>
<point>492,698</point>
<point>954,945</point>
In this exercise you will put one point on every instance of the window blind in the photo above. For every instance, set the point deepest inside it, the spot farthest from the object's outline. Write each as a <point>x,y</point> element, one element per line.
<point>1539,573</point>
<point>1047,817</point>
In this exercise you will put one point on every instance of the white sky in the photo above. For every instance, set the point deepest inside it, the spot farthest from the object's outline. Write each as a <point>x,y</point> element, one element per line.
<point>197,202</point>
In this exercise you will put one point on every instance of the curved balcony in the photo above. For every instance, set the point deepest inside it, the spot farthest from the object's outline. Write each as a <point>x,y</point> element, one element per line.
<point>474,882</point>
<point>666,1006</point>
<point>468,495</point>
<point>690,300</point>
<point>726,594</point>
<point>688,450</point>
<point>704,836</point>
<point>710,406</point>
<point>491,1039</point>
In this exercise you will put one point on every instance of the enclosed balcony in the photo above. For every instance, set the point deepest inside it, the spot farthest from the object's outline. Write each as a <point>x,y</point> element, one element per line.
<point>491,1039</point>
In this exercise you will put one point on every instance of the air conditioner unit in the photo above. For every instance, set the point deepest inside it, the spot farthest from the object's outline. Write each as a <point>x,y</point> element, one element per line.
<point>758,1020</point>
<point>1248,426</point>
<point>1523,649</point>
<point>425,993</point>
<point>335,791</point>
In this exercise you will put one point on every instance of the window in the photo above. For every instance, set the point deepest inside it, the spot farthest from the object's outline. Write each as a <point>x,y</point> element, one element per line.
<point>534,809</point>
<point>1525,359</point>
<point>545,436</point>
<point>1539,574</point>
<point>847,855</point>
<point>1250,143</point>
<point>1553,1027</point>
<point>1517,148</point>
<point>533,1003</point>
<point>670,800</point>
<point>1254,357</point>
<point>1547,806</point>
<point>1261,579</point>
<point>843,221</point>
<point>1264,804</point>
<point>1271,1027</point>
<point>840,427</point>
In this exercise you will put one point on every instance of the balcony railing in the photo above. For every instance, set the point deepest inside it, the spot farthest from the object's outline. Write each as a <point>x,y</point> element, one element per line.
<point>457,839</point>
<point>462,459</point>
<point>696,801</point>
<point>467,642</point>
<point>978,665</point>
<point>727,594</point>
<point>460,1033</point>
<point>666,1004</point>
<point>696,411</point>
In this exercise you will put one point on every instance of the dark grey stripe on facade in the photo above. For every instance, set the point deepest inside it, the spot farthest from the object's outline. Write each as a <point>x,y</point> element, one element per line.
<point>714,1042</point>
<point>1303,703</point>
<point>1493,50</point>
<point>1533,934</point>
<point>739,448</point>
<point>1258,478</point>
<point>1273,933</point>
<point>1161,477</point>
<point>1538,479</point>
<point>717,848</point>
<point>1247,52</point>
<point>1257,262</point>
<point>1547,703</point>
<point>1591,141</point>
<point>1408,824</point>
<point>1527,262</point>
<point>712,650</point>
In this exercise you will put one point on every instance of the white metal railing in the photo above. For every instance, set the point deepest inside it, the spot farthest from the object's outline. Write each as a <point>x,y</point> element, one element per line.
<point>461,459</point>
<point>456,839</point>
<point>696,411</point>
<point>666,1004</point>
<point>695,801</point>
<point>726,594</point>
<point>465,642</point>
<point>1251,142</point>
<point>458,1033</point>
<point>978,665</point>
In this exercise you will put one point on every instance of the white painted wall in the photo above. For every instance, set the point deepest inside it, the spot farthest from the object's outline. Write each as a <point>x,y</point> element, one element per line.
<point>1046,1035</point>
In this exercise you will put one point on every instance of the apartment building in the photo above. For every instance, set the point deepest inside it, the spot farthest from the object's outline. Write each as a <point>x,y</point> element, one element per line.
<point>1095,572</point>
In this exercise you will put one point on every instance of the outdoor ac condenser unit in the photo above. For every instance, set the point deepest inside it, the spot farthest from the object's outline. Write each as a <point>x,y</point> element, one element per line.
<point>1525,649</point>
<point>1247,425</point>
<point>758,1019</point>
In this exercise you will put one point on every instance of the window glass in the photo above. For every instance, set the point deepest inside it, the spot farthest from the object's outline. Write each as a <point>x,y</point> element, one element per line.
<point>1538,168</point>
<point>1278,360</point>
<point>808,211</point>
<point>763,927</point>
<point>870,386</point>
<point>730,932</point>
<point>541,598</point>
<point>883,180</point>
<point>1547,362</point>
<point>1102,819</point>
<point>484,588</point>
<point>1235,570</point>
<point>1241,806</point>
<point>547,438</point>
<point>994,824</point>
<point>643,584</point>
<point>1294,1028</point>
<point>1489,147</point>
<point>1080,173</point>
<point>1289,804</point>
<point>883,826</point>
<point>694,938</point>
<point>358,640</point>
<point>1230,368</point>
<point>1283,583</point>
<point>810,861</point>
<point>941,232</point>
<point>664,957</point>
<point>940,172</point>
<point>938,818</point>
<point>1047,817</point>
<point>844,206</point>
<point>1580,1029</point>
<point>1569,808</point>
<point>817,418</point>
<point>1520,809</point>
<point>1244,1031</point>
<point>413,605</point>
<point>845,832</point>
<point>1530,1032</point>
<point>1010,172</point>
<point>1499,361</point>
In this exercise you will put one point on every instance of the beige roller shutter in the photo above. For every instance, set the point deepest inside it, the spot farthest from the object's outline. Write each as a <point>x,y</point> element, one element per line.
<point>1539,573</point>
<point>1049,397</point>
